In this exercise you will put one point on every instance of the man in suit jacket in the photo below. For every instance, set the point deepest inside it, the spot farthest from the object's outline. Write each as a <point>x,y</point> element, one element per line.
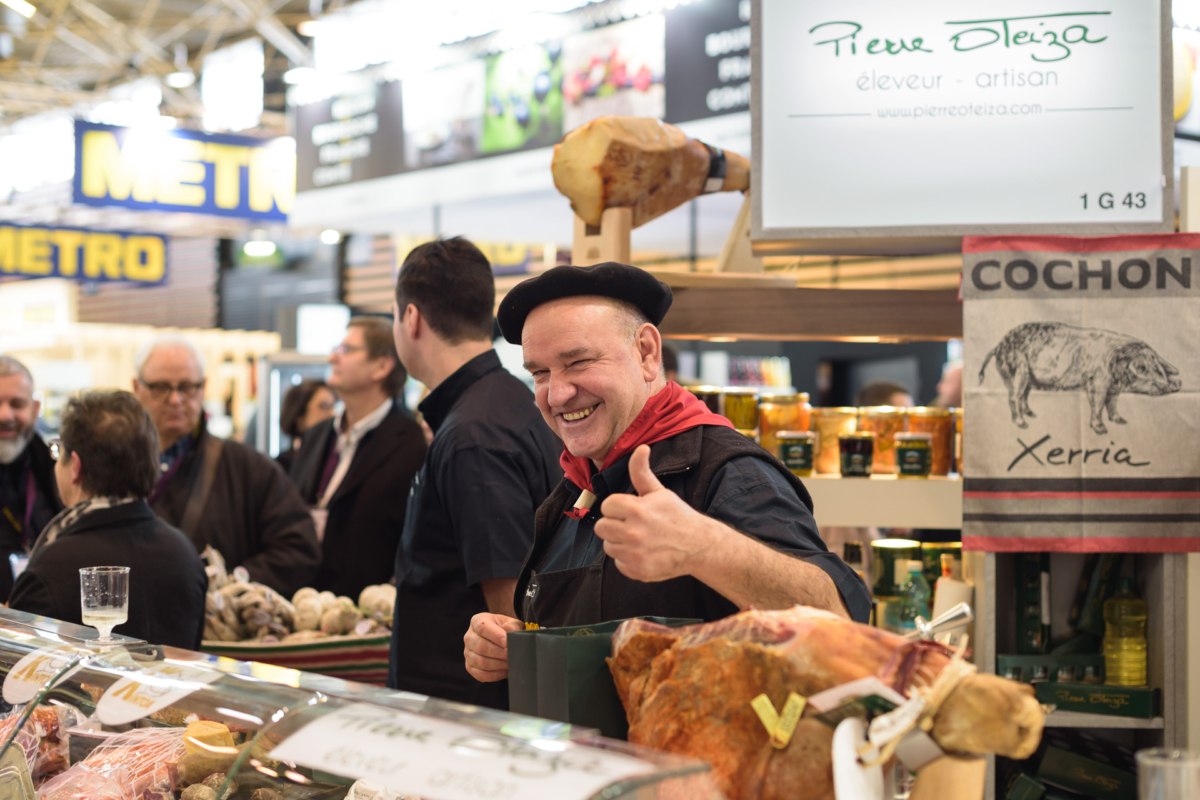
<point>355,469</point>
<point>107,465</point>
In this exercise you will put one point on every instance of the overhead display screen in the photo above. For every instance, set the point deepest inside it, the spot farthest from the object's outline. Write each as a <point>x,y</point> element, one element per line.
<point>876,118</point>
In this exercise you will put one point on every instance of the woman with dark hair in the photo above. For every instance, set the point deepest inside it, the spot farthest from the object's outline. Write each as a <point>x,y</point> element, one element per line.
<point>306,404</point>
<point>107,465</point>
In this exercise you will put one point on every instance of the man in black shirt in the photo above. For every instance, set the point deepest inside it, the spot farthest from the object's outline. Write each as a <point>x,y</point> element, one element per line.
<point>28,496</point>
<point>491,463</point>
<point>665,510</point>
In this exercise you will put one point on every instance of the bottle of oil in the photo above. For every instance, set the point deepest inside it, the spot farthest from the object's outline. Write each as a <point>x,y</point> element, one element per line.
<point>1125,637</point>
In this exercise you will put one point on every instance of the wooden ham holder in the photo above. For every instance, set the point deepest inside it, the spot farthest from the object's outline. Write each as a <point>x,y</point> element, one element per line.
<point>611,242</point>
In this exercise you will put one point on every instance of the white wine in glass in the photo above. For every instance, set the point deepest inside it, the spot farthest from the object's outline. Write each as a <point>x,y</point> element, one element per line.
<point>104,599</point>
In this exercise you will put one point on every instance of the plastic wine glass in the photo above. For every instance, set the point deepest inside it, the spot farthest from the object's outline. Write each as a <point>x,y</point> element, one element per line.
<point>104,597</point>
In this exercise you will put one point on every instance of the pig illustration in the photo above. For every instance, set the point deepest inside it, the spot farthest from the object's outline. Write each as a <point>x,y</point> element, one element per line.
<point>1051,356</point>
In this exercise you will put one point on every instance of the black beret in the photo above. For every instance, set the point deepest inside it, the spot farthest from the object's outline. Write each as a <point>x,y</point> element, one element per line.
<point>610,279</point>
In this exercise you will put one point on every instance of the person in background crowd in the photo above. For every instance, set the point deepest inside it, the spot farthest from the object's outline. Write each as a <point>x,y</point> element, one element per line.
<point>670,364</point>
<point>355,468</point>
<point>665,509</point>
<point>305,404</point>
<point>491,463</point>
<point>884,393</point>
<point>950,387</point>
<point>219,492</point>
<point>107,465</point>
<point>28,496</point>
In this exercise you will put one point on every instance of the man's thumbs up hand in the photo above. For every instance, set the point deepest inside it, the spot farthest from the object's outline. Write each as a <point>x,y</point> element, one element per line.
<point>653,535</point>
<point>644,480</point>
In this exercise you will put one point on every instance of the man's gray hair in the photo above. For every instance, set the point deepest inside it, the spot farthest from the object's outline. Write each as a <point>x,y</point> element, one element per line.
<point>10,366</point>
<point>165,340</point>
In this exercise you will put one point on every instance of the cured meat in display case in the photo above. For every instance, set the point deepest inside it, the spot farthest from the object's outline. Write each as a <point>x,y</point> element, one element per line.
<point>140,721</point>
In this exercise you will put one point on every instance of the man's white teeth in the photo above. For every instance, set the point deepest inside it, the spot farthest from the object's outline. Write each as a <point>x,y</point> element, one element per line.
<point>577,415</point>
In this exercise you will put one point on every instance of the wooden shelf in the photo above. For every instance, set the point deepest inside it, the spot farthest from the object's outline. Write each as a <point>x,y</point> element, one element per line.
<point>1078,719</point>
<point>886,502</point>
<point>792,314</point>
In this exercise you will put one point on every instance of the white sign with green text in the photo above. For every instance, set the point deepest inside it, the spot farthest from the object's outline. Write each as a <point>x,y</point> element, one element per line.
<point>875,114</point>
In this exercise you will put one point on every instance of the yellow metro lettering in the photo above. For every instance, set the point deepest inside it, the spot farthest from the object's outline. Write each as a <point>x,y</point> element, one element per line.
<point>8,249</point>
<point>68,243</point>
<point>179,172</point>
<point>110,170</point>
<point>270,186</point>
<point>34,251</point>
<point>145,259</point>
<point>227,161</point>
<point>102,254</point>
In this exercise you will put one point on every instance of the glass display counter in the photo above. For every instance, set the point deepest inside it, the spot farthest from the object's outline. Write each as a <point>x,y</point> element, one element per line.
<point>144,722</point>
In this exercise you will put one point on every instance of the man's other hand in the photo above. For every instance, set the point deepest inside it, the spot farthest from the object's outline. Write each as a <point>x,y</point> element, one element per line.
<point>486,646</point>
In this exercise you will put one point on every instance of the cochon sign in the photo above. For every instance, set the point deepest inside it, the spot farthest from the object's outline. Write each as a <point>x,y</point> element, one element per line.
<point>1085,368</point>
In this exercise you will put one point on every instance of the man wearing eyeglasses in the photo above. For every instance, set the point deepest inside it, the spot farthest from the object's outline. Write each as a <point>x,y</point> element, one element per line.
<point>219,492</point>
<point>355,468</point>
<point>28,496</point>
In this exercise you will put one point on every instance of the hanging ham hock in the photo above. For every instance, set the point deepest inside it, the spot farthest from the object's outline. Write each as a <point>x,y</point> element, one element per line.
<point>642,164</point>
<point>689,691</point>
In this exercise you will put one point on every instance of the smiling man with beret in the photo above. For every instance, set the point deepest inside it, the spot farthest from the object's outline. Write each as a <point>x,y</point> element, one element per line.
<point>665,510</point>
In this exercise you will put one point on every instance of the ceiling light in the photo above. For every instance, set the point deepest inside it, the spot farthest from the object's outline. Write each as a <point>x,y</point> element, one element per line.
<point>296,74</point>
<point>259,249</point>
<point>308,28</point>
<point>330,237</point>
<point>21,7</point>
<point>180,80</point>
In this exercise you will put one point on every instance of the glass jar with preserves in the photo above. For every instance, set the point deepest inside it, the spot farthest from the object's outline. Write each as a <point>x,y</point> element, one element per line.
<point>781,411</point>
<point>710,396</point>
<point>958,440</point>
<point>857,452</point>
<point>741,407</point>
<point>829,424</point>
<point>888,555</point>
<point>914,454</point>
<point>796,451</point>
<point>885,422</point>
<point>938,422</point>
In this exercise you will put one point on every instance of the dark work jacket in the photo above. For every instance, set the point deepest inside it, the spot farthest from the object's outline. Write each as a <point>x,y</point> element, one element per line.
<point>45,505</point>
<point>166,577</point>
<point>366,512</point>
<point>686,464</point>
<point>254,515</point>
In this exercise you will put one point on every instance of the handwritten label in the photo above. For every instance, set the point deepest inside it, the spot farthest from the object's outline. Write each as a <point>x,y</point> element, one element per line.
<point>441,760</point>
<point>151,689</point>
<point>34,671</point>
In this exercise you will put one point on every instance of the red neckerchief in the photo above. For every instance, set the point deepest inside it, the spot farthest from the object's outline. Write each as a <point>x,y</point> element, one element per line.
<point>668,413</point>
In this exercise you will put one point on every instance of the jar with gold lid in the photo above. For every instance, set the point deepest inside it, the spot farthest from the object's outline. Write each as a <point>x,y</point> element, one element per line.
<point>958,440</point>
<point>885,422</point>
<point>829,424</point>
<point>856,451</point>
<point>940,423</point>
<point>710,396</point>
<point>781,411</point>
<point>796,451</point>
<point>741,407</point>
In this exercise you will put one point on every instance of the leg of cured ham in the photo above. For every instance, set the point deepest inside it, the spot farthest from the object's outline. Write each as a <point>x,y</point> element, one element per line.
<point>642,164</point>
<point>688,691</point>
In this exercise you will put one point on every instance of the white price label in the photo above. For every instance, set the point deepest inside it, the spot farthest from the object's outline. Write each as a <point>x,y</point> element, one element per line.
<point>441,760</point>
<point>150,689</point>
<point>34,671</point>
